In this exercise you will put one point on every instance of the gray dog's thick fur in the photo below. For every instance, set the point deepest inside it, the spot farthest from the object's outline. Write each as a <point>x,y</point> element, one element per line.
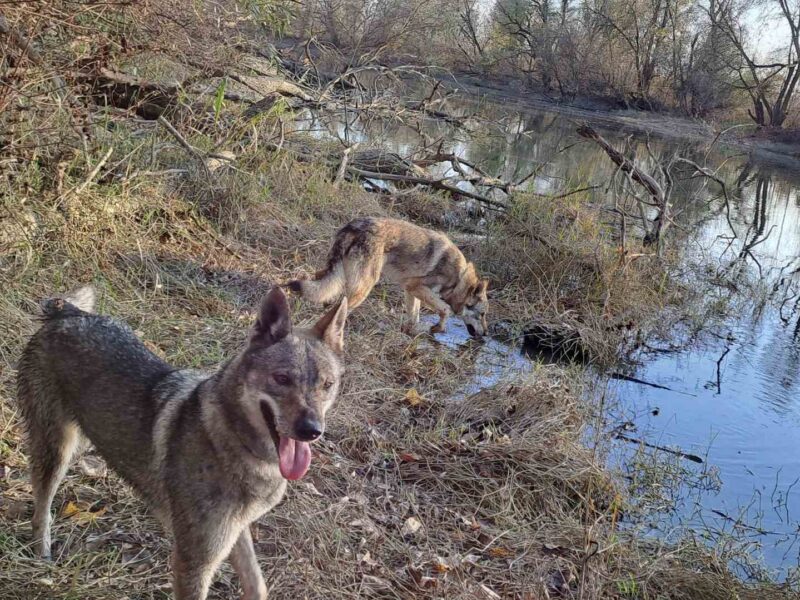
<point>201,449</point>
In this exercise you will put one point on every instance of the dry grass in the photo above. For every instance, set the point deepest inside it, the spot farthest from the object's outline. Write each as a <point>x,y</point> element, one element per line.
<point>509,500</point>
<point>560,267</point>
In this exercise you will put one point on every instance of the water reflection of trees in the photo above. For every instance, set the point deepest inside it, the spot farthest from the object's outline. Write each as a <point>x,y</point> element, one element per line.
<point>755,232</point>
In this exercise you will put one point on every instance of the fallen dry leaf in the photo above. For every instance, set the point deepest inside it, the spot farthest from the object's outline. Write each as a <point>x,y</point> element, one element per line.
<point>554,550</point>
<point>440,565</point>
<point>70,509</point>
<point>411,526</point>
<point>413,398</point>
<point>82,516</point>
<point>311,488</point>
<point>367,559</point>
<point>136,558</point>
<point>422,581</point>
<point>155,349</point>
<point>409,457</point>
<point>559,583</point>
<point>426,582</point>
<point>500,552</point>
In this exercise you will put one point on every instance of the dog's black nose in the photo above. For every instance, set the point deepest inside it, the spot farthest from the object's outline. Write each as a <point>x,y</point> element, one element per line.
<point>471,330</point>
<point>308,428</point>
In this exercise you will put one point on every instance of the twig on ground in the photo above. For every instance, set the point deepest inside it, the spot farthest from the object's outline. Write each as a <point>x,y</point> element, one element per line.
<point>343,165</point>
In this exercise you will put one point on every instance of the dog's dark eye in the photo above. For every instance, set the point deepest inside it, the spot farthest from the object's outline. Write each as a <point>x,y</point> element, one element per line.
<point>281,379</point>
<point>328,384</point>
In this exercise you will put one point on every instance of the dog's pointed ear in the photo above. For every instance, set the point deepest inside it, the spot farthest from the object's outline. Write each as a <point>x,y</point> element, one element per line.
<point>330,327</point>
<point>274,321</point>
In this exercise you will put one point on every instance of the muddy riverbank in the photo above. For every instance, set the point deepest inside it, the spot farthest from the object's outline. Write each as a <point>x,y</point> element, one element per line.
<point>775,147</point>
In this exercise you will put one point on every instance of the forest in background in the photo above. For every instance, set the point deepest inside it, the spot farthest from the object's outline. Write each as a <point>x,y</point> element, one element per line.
<point>731,60</point>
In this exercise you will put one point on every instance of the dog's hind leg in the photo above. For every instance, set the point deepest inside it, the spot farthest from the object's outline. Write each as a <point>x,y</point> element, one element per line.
<point>412,313</point>
<point>361,277</point>
<point>52,446</point>
<point>243,559</point>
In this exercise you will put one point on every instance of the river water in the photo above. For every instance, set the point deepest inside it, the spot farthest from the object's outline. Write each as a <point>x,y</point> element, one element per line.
<point>730,394</point>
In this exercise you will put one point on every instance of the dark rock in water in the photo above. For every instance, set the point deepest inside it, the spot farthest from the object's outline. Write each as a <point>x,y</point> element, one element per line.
<point>556,342</point>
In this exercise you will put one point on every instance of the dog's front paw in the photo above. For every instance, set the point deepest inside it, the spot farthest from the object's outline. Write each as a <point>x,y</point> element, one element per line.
<point>438,328</point>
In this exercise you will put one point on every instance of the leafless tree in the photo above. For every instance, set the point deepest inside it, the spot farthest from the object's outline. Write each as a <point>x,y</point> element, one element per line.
<point>770,85</point>
<point>642,27</point>
<point>472,38</point>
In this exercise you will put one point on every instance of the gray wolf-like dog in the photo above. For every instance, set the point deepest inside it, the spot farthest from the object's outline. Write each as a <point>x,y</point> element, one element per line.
<point>425,263</point>
<point>209,453</point>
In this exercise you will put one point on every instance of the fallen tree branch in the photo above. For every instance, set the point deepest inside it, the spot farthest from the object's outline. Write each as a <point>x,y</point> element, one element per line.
<point>478,178</point>
<point>202,160</point>
<point>95,171</point>
<point>570,193</point>
<point>679,453</point>
<point>181,140</point>
<point>439,184</point>
<point>422,107</point>
<point>622,377</point>
<point>625,164</point>
<point>659,193</point>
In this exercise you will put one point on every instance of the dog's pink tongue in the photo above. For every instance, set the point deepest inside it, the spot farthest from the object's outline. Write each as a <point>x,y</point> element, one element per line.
<point>294,458</point>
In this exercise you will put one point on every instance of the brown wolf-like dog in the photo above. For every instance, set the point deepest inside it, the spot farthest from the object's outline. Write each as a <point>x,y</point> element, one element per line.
<point>209,453</point>
<point>429,267</point>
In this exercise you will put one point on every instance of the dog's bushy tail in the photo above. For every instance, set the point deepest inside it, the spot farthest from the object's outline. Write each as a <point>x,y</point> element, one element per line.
<point>325,286</point>
<point>354,264</point>
<point>73,304</point>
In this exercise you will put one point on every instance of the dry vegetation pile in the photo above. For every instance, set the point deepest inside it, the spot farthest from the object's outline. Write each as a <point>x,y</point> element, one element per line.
<point>416,491</point>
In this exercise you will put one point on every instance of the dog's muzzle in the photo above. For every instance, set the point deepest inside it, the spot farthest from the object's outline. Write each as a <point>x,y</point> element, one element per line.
<point>308,428</point>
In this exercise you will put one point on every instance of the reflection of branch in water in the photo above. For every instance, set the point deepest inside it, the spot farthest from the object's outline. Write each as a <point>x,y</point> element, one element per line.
<point>713,176</point>
<point>746,177</point>
<point>719,364</point>
<point>759,222</point>
<point>788,298</point>
<point>755,231</point>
